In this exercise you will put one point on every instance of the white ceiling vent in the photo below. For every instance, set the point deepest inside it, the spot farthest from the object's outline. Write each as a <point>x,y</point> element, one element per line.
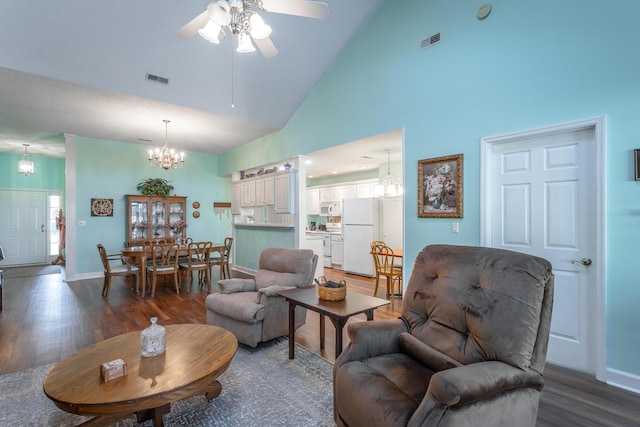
<point>157,79</point>
<point>430,41</point>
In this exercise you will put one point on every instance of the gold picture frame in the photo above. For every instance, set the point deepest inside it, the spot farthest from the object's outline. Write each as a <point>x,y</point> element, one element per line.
<point>440,187</point>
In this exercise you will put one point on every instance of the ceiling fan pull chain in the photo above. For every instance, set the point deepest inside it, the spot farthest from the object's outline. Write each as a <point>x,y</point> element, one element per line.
<point>232,78</point>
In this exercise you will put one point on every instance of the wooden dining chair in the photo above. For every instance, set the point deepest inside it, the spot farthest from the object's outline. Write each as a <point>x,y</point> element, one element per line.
<point>124,268</point>
<point>223,259</point>
<point>386,265</point>
<point>197,259</point>
<point>164,262</point>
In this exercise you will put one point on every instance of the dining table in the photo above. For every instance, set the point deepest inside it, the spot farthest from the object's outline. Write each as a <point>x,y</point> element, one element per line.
<point>140,254</point>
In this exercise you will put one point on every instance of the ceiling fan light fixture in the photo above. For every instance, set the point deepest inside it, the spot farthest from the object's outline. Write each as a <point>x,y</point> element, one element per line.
<point>219,13</point>
<point>211,32</point>
<point>244,44</point>
<point>259,30</point>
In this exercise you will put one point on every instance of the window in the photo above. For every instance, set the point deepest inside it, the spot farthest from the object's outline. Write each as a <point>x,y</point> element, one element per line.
<point>54,230</point>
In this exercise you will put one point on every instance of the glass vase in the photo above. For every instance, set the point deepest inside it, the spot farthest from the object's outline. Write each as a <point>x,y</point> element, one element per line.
<point>153,339</point>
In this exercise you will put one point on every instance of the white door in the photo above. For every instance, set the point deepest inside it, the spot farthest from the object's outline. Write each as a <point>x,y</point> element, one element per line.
<point>543,201</point>
<point>23,231</point>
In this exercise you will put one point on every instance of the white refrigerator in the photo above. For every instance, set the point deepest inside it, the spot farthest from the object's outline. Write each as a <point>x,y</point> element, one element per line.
<point>359,229</point>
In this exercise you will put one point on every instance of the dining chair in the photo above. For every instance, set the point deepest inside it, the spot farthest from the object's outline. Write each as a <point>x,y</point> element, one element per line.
<point>197,260</point>
<point>223,259</point>
<point>123,269</point>
<point>386,265</point>
<point>164,262</point>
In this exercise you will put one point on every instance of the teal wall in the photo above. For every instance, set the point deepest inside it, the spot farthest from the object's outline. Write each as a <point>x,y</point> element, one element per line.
<point>250,241</point>
<point>49,173</point>
<point>523,67</point>
<point>107,169</point>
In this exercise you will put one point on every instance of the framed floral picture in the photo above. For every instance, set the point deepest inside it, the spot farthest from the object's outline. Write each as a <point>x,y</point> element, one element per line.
<point>440,187</point>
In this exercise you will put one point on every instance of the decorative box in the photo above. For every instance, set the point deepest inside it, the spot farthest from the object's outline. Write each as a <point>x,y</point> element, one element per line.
<point>112,370</point>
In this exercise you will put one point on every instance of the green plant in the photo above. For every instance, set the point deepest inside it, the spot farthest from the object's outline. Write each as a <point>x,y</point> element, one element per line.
<point>155,187</point>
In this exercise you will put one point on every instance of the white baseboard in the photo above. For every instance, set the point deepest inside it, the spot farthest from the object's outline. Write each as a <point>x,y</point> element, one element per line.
<point>85,276</point>
<point>245,270</point>
<point>624,380</point>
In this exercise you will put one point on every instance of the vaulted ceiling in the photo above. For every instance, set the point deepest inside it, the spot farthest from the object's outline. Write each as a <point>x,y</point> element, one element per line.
<point>80,67</point>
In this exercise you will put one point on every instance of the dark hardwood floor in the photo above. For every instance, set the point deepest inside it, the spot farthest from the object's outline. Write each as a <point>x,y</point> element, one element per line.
<point>45,320</point>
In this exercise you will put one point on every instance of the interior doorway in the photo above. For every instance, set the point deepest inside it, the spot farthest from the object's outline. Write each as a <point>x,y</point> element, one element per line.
<point>542,193</point>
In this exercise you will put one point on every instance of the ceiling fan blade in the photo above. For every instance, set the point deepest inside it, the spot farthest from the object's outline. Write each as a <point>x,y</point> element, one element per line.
<point>308,9</point>
<point>267,47</point>
<point>192,27</point>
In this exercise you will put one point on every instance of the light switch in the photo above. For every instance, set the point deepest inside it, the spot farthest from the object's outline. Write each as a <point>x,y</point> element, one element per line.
<point>455,227</point>
<point>82,223</point>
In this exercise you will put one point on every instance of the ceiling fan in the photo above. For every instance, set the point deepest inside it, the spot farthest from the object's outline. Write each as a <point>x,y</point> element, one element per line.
<point>237,17</point>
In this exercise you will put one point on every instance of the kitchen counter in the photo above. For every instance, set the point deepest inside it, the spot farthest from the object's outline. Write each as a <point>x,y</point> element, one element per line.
<point>261,225</point>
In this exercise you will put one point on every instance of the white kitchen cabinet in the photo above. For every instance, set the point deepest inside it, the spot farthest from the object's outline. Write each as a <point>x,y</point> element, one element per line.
<point>265,191</point>
<point>366,189</point>
<point>248,199</point>
<point>329,194</point>
<point>236,198</point>
<point>284,194</point>
<point>347,192</point>
<point>313,201</point>
<point>269,191</point>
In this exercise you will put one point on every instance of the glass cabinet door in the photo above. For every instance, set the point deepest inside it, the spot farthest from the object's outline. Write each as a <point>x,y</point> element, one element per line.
<point>139,220</point>
<point>158,220</point>
<point>177,224</point>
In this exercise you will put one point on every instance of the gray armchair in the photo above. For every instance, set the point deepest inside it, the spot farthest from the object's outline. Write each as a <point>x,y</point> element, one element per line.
<point>251,308</point>
<point>468,350</point>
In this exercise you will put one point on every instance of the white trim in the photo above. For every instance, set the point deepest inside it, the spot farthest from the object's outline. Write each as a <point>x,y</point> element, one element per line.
<point>245,270</point>
<point>70,206</point>
<point>87,276</point>
<point>624,380</point>
<point>598,124</point>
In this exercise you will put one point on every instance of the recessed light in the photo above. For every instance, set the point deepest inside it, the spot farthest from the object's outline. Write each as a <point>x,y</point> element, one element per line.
<point>363,167</point>
<point>334,172</point>
<point>307,162</point>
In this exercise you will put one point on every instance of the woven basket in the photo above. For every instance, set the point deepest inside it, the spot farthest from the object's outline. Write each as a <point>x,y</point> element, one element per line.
<point>333,294</point>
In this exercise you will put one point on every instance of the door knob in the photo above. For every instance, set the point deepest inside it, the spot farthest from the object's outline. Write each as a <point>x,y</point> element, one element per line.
<point>42,228</point>
<point>583,261</point>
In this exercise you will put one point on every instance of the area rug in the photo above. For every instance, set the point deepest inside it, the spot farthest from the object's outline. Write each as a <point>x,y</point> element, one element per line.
<point>261,387</point>
<point>31,270</point>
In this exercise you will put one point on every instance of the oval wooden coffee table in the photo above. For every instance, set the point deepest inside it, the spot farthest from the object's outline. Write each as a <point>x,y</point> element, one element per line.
<point>196,356</point>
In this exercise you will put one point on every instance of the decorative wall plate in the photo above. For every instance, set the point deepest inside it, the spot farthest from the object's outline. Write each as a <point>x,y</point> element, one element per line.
<point>196,205</point>
<point>101,207</point>
<point>196,214</point>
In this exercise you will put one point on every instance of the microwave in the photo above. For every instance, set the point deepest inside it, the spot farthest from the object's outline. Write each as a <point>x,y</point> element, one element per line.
<point>329,209</point>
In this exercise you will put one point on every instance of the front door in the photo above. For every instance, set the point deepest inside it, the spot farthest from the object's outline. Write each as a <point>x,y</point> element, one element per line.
<point>23,226</point>
<point>543,201</point>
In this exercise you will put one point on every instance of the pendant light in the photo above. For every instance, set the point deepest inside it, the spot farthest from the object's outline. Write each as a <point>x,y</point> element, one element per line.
<point>387,187</point>
<point>25,164</point>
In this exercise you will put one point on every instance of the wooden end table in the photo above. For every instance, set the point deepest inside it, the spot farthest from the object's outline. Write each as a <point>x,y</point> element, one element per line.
<point>196,356</point>
<point>338,311</point>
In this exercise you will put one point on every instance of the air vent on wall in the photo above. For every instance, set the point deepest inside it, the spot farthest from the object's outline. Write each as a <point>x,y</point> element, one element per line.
<point>157,79</point>
<point>430,41</point>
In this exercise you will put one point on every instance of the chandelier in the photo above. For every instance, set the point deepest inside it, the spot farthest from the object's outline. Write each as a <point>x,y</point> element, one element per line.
<point>25,164</point>
<point>234,17</point>
<point>387,187</point>
<point>165,157</point>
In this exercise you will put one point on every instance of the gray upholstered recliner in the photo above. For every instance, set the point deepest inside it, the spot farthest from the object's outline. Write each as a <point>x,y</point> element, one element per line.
<point>251,308</point>
<point>469,349</point>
